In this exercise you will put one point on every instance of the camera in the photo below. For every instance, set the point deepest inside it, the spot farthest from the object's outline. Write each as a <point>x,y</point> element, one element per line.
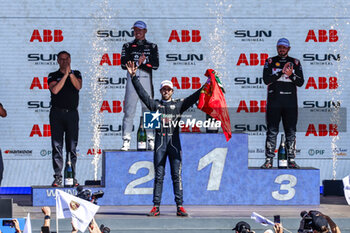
<point>87,195</point>
<point>104,229</point>
<point>306,223</point>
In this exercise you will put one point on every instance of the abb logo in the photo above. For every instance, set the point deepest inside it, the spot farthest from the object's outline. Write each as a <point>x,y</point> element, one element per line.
<point>36,83</point>
<point>322,36</point>
<point>187,83</point>
<point>92,151</point>
<point>45,133</point>
<point>254,59</point>
<point>253,106</point>
<point>323,83</point>
<point>114,107</point>
<point>185,36</point>
<point>115,59</point>
<point>332,130</point>
<point>47,36</point>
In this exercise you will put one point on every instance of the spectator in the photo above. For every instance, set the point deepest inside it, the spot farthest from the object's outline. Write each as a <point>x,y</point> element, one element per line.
<point>278,228</point>
<point>47,215</point>
<point>74,228</point>
<point>93,227</point>
<point>242,227</point>
<point>16,226</point>
<point>320,223</point>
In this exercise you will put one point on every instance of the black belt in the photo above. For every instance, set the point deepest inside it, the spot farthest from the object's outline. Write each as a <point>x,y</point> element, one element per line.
<point>63,109</point>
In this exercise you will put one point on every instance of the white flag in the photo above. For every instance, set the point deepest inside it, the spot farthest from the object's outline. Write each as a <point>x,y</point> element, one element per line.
<point>80,210</point>
<point>28,225</point>
<point>346,182</point>
<point>261,219</point>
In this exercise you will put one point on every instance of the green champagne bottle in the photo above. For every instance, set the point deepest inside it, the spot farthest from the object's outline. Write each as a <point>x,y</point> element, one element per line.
<point>68,173</point>
<point>141,137</point>
<point>282,155</point>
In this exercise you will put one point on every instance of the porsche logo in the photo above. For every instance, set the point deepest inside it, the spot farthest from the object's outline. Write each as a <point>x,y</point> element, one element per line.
<point>74,205</point>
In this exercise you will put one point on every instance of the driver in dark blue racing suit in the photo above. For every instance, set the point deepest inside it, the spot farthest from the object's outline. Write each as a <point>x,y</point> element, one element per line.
<point>167,140</point>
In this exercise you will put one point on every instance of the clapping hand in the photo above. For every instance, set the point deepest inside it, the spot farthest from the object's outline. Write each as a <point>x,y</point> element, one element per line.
<point>288,69</point>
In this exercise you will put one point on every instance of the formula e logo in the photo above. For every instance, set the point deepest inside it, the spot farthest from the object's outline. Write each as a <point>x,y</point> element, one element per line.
<point>151,120</point>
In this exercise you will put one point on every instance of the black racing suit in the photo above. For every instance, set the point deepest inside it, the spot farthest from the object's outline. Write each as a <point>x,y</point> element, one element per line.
<point>281,102</point>
<point>132,51</point>
<point>167,140</point>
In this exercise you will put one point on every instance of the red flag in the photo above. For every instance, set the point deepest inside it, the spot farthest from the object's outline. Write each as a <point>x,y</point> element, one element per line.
<point>212,101</point>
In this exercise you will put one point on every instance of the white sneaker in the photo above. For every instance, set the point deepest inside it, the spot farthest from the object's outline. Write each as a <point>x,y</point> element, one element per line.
<point>126,145</point>
<point>150,144</point>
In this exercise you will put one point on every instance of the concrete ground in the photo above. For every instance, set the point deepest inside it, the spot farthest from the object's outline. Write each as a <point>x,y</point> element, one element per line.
<point>202,218</point>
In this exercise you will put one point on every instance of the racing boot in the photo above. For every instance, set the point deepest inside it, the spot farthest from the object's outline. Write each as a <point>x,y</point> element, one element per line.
<point>181,212</point>
<point>292,164</point>
<point>57,182</point>
<point>270,146</point>
<point>154,212</point>
<point>126,145</point>
<point>151,144</point>
<point>268,163</point>
<point>291,153</point>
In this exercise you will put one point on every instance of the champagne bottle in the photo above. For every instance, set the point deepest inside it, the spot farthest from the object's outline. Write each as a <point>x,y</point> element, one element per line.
<point>282,155</point>
<point>68,173</point>
<point>141,136</point>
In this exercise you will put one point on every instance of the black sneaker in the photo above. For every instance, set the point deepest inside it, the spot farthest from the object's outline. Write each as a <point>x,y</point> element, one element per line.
<point>181,212</point>
<point>292,164</point>
<point>57,182</point>
<point>268,164</point>
<point>154,212</point>
<point>75,183</point>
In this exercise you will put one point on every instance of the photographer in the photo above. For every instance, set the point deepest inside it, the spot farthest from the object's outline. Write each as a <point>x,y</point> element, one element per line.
<point>16,226</point>
<point>242,227</point>
<point>332,225</point>
<point>87,195</point>
<point>317,222</point>
<point>278,228</point>
<point>47,218</point>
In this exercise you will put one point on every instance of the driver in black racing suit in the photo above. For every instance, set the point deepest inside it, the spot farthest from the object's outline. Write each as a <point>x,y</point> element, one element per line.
<point>282,74</point>
<point>167,140</point>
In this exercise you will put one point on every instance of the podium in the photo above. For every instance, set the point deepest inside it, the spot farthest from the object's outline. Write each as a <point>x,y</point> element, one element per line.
<point>214,172</point>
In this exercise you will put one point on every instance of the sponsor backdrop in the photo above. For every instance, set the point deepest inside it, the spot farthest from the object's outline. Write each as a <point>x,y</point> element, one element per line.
<point>192,37</point>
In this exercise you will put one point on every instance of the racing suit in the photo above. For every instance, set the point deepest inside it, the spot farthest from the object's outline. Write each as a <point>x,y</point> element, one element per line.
<point>167,140</point>
<point>131,52</point>
<point>281,102</point>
